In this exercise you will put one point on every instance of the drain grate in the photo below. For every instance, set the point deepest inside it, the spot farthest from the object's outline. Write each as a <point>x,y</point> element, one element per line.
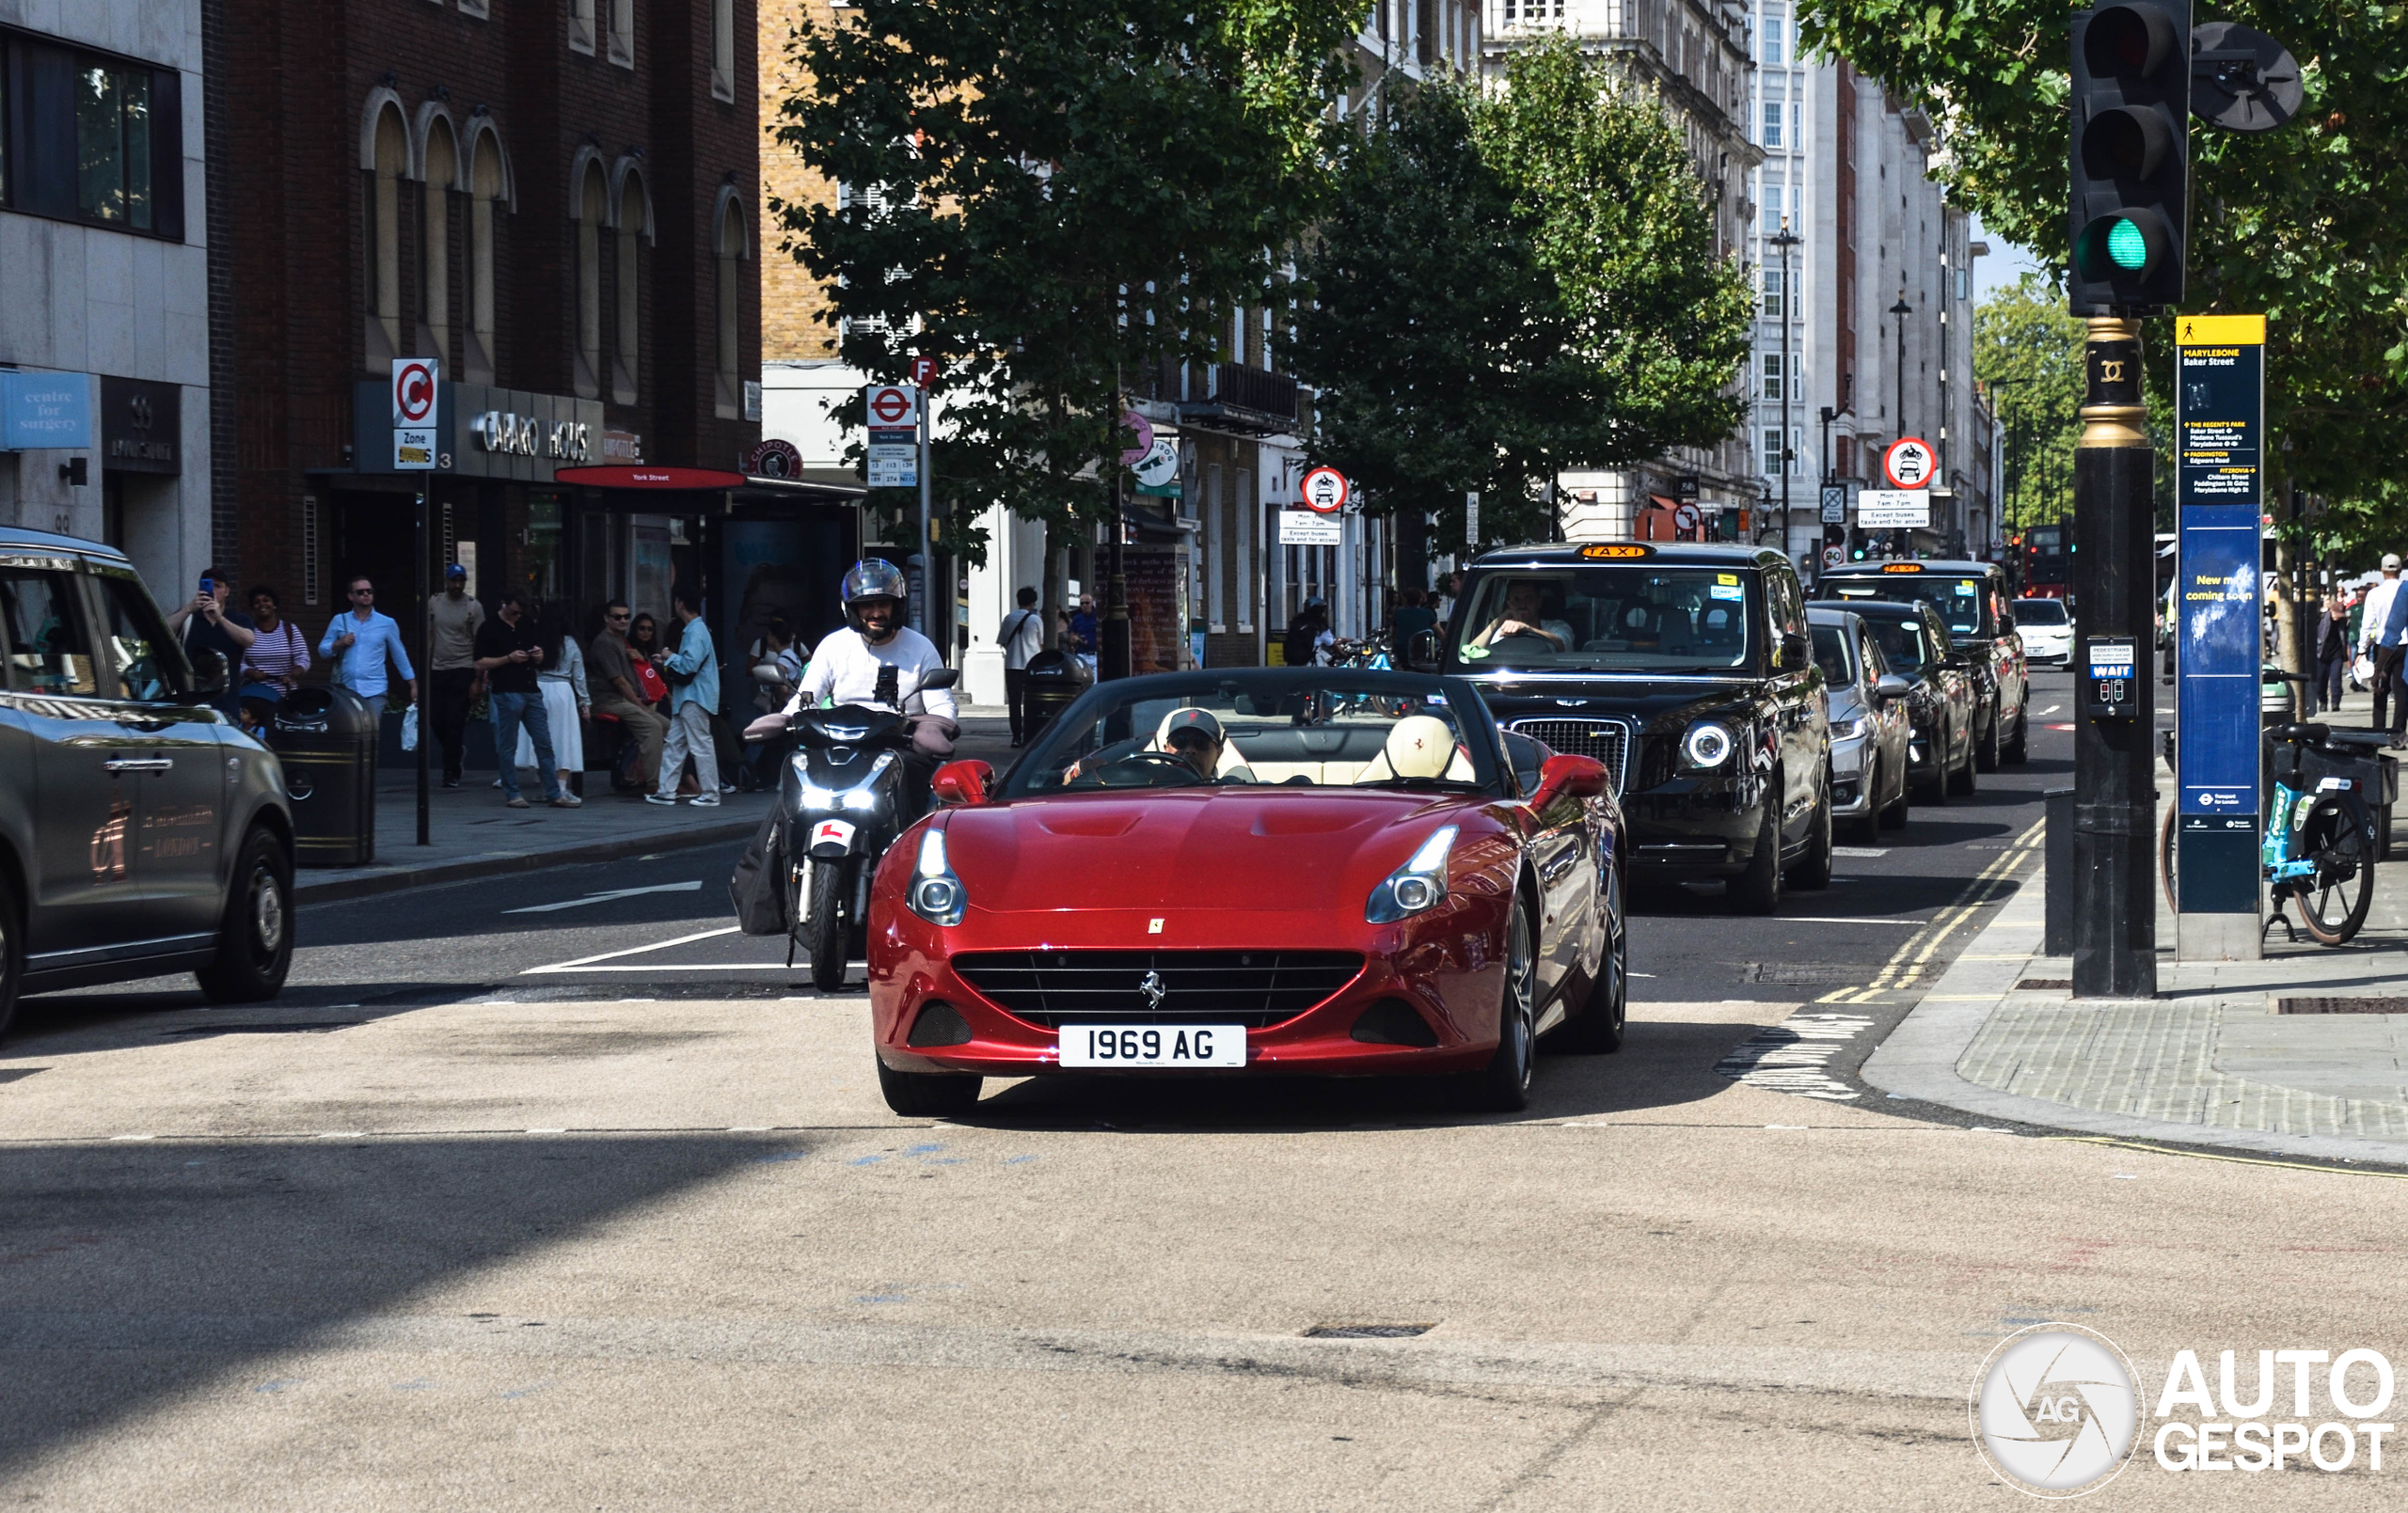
<point>312,1027</point>
<point>2341,1005</point>
<point>1796,974</point>
<point>2045,985</point>
<point>1367,1332</point>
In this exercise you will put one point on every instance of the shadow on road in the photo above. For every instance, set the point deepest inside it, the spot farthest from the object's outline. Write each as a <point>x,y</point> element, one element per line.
<point>138,1274</point>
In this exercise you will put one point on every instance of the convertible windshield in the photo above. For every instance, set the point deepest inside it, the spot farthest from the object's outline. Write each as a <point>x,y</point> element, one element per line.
<point>1963,603</point>
<point>1612,617</point>
<point>1307,729</point>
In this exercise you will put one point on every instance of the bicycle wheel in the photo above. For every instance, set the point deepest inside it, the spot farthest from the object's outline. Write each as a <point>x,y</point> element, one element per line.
<point>2334,903</point>
<point>2166,873</point>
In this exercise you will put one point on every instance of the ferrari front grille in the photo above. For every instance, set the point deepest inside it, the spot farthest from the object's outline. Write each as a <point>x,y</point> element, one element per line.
<point>1606,740</point>
<point>1255,988</point>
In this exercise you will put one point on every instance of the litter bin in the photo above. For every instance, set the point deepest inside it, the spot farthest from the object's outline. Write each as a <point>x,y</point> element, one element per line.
<point>326,741</point>
<point>1056,680</point>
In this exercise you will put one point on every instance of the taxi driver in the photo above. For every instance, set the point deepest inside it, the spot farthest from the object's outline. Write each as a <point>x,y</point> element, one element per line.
<point>1523,599</point>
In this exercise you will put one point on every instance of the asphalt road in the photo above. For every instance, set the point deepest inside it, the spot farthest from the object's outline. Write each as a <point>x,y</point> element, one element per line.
<point>441,1228</point>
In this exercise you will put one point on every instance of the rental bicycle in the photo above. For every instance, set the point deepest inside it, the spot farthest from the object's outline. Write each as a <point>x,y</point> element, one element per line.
<point>2321,841</point>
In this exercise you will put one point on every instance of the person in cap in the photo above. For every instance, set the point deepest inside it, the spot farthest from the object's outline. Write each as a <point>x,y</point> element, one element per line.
<point>452,620</point>
<point>1195,736</point>
<point>2380,639</point>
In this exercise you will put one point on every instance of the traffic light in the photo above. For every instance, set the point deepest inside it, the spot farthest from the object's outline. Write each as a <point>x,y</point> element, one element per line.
<point>2132,158</point>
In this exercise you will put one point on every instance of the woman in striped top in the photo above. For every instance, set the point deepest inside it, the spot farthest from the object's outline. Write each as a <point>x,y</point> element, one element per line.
<point>276,658</point>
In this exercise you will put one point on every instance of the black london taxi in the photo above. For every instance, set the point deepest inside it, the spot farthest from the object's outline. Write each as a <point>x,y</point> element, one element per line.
<point>141,832</point>
<point>1686,671</point>
<point>1972,598</point>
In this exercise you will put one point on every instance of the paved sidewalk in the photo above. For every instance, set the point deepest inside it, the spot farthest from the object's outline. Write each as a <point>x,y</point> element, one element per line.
<point>2209,1062</point>
<point>474,836</point>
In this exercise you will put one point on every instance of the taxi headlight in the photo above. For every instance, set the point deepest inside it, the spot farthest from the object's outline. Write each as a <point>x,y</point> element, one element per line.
<point>1708,745</point>
<point>1419,886</point>
<point>936,894</point>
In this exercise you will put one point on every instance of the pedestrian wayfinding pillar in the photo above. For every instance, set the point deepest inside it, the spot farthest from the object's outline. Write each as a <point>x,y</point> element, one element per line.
<point>2114,581</point>
<point>2219,408</point>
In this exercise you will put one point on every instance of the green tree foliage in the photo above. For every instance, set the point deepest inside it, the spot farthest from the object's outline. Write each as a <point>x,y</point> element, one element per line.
<point>1660,324</point>
<point>2297,224</point>
<point>1514,284</point>
<point>2029,351</point>
<point>1431,324</point>
<point>1048,196</point>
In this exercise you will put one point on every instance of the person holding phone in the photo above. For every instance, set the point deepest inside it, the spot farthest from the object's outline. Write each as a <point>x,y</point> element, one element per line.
<point>203,623</point>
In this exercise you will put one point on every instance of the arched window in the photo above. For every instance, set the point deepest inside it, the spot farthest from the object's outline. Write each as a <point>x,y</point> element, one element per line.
<point>485,188</point>
<point>435,275</point>
<point>390,165</point>
<point>729,244</point>
<point>627,338</point>
<point>592,208</point>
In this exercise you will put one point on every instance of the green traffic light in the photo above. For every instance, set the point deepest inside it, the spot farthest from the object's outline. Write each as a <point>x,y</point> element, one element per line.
<point>2126,248</point>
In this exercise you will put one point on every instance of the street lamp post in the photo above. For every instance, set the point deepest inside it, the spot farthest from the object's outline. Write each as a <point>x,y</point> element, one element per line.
<point>1785,240</point>
<point>1898,314</point>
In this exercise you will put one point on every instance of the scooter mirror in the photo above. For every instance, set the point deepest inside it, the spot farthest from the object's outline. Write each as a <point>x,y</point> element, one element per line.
<point>941,678</point>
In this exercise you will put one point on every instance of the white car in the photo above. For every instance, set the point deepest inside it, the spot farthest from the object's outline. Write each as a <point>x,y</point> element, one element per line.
<point>2045,631</point>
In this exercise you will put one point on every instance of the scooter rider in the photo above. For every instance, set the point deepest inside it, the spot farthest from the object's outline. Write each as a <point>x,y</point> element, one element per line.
<point>872,659</point>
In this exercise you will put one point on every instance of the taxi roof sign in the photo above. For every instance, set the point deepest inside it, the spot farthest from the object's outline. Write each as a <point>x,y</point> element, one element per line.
<point>1902,567</point>
<point>1616,550</point>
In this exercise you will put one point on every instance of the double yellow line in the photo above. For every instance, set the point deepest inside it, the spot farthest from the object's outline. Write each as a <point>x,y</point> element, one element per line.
<point>1906,966</point>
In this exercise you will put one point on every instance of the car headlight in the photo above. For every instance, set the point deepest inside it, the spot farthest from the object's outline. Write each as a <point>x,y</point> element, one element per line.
<point>1419,886</point>
<point>1849,730</point>
<point>936,894</point>
<point>1708,745</point>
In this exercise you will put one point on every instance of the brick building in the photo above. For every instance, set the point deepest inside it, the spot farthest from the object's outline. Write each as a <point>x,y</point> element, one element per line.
<point>556,202</point>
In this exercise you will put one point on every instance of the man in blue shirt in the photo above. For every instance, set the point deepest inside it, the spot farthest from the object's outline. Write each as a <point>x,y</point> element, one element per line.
<point>360,641</point>
<point>692,670</point>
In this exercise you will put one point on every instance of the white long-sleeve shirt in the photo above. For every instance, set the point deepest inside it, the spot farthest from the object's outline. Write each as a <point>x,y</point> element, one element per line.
<point>843,670</point>
<point>2378,606</point>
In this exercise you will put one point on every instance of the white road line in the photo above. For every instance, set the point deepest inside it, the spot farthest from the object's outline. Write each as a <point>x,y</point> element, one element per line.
<point>1821,919</point>
<point>693,887</point>
<point>2050,710</point>
<point>632,951</point>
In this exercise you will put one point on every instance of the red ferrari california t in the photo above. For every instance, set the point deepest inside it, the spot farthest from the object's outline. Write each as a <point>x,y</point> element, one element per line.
<point>1326,871</point>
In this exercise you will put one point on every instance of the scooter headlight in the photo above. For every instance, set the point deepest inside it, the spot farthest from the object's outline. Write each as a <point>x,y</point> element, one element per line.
<point>1417,886</point>
<point>936,894</point>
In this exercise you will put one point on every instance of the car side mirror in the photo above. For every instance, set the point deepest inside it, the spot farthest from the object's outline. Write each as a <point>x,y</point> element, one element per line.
<point>1421,651</point>
<point>941,678</point>
<point>1891,688</point>
<point>207,673</point>
<point>1795,651</point>
<point>1566,776</point>
<point>962,782</point>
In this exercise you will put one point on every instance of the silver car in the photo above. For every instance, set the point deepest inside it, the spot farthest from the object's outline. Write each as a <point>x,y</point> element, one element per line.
<point>1870,727</point>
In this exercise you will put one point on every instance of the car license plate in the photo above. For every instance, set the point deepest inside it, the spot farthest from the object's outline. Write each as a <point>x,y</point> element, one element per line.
<point>1153,1044</point>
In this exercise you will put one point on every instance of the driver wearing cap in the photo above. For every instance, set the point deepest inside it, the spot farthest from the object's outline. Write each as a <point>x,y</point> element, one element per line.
<point>1196,735</point>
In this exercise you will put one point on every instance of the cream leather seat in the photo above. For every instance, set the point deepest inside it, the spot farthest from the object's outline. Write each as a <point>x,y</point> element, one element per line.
<point>1419,746</point>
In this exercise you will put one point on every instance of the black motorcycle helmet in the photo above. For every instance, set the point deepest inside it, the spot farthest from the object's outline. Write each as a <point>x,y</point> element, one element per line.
<point>873,578</point>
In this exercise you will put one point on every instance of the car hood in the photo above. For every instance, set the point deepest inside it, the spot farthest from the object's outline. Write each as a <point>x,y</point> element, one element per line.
<point>1656,703</point>
<point>1217,848</point>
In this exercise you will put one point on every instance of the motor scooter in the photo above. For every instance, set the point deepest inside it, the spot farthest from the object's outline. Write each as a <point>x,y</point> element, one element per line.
<point>841,793</point>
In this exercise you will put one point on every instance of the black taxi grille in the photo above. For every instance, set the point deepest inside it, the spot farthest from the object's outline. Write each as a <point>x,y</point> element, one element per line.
<point>1606,740</point>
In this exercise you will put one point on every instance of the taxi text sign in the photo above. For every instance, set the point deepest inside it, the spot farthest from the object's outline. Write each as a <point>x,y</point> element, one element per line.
<point>2220,422</point>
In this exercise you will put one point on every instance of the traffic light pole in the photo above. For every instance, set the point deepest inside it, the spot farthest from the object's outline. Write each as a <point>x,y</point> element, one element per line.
<point>2114,581</point>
